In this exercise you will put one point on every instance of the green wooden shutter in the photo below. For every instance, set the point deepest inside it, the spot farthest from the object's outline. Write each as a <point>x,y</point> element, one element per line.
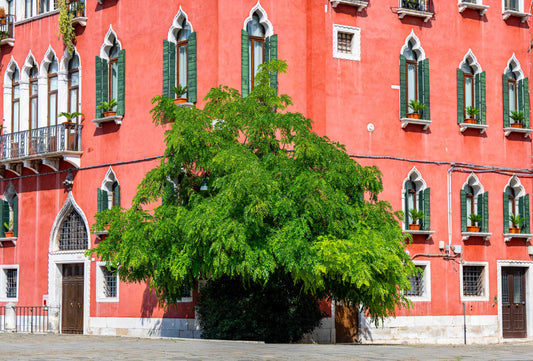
<point>483,210</point>
<point>16,216</point>
<point>192,71</point>
<point>420,85</point>
<point>101,84</point>
<point>426,112</point>
<point>165,69</point>
<point>98,200</point>
<point>427,209</point>
<point>523,99</point>
<point>463,211</point>
<point>169,68</point>
<point>104,200</point>
<point>117,195</point>
<point>245,64</point>
<point>505,213</point>
<point>5,217</point>
<point>403,87</point>
<point>421,208</point>
<point>273,55</point>
<point>266,47</point>
<point>406,209</point>
<point>526,225</point>
<point>483,97</point>
<point>505,99</point>
<point>121,93</point>
<point>461,103</point>
<point>477,96</point>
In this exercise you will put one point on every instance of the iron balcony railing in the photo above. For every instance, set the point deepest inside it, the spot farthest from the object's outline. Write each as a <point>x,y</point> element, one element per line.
<point>77,8</point>
<point>419,5</point>
<point>32,319</point>
<point>7,27</point>
<point>41,141</point>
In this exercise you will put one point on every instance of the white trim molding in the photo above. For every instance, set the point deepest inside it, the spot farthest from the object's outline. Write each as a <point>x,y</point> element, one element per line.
<point>355,53</point>
<point>484,278</point>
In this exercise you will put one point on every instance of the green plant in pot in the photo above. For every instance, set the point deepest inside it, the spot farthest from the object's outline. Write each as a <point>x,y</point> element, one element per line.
<point>9,228</point>
<point>516,220</point>
<point>71,117</point>
<point>416,215</point>
<point>107,107</point>
<point>472,113</point>
<point>416,107</point>
<point>518,119</point>
<point>181,94</point>
<point>475,219</point>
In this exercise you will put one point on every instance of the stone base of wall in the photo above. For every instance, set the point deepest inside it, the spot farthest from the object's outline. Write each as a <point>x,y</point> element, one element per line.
<point>325,333</point>
<point>144,327</point>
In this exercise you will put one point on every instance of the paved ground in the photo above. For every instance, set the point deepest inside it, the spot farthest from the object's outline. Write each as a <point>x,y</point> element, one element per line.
<point>65,347</point>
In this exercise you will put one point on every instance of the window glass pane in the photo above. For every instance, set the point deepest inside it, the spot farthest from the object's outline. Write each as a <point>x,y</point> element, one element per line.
<point>469,210</point>
<point>517,287</point>
<point>411,82</point>
<point>52,111</point>
<point>73,105</point>
<point>73,234</point>
<point>33,109</point>
<point>74,63</point>
<point>114,82</point>
<point>28,8</point>
<point>16,117</point>
<point>16,91</point>
<point>16,75</point>
<point>53,66</point>
<point>505,287</point>
<point>258,55</point>
<point>254,28</point>
<point>344,43</point>
<point>184,33</point>
<point>11,283</point>
<point>468,92</point>
<point>409,53</point>
<point>74,79</point>
<point>182,70</point>
<point>53,83</point>
<point>410,205</point>
<point>34,88</point>
<point>512,97</point>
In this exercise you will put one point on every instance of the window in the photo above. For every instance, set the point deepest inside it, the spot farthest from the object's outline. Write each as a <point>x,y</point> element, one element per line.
<point>9,211</point>
<point>416,196</point>
<point>109,194</point>
<point>52,92</point>
<point>15,102</point>
<point>417,284</point>
<point>474,201</point>
<point>33,95</point>
<point>470,91</point>
<point>28,8</point>
<point>421,283</point>
<point>73,233</point>
<point>515,95</point>
<point>8,283</point>
<point>414,78</point>
<point>258,45</point>
<point>346,42</point>
<point>110,70</point>
<point>474,281</point>
<point>513,5</point>
<point>73,84</point>
<point>106,283</point>
<point>179,58</point>
<point>515,203</point>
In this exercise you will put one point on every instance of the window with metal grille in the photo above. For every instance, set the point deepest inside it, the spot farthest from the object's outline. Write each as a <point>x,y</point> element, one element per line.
<point>11,283</point>
<point>344,43</point>
<point>417,284</point>
<point>73,234</point>
<point>110,282</point>
<point>473,281</point>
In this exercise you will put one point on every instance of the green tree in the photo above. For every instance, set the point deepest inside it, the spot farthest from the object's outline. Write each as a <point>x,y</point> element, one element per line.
<point>279,198</point>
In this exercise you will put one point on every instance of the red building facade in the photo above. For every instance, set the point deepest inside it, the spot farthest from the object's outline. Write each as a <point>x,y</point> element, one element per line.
<point>354,67</point>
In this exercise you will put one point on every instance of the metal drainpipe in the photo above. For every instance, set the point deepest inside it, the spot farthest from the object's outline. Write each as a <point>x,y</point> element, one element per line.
<point>449,185</point>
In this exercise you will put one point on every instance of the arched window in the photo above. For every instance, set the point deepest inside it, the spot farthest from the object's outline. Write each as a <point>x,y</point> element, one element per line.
<point>9,212</point>
<point>515,204</point>
<point>113,71</point>
<point>182,50</point>
<point>416,197</point>
<point>259,45</point>
<point>414,79</point>
<point>73,84</point>
<point>471,102</point>
<point>515,96</point>
<point>52,92</point>
<point>15,102</point>
<point>109,194</point>
<point>34,97</point>
<point>73,234</point>
<point>474,201</point>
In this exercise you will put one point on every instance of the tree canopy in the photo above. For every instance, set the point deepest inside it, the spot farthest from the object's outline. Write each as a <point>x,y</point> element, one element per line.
<point>279,198</point>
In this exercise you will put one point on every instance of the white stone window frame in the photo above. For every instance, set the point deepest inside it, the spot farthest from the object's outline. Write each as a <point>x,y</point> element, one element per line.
<point>473,181</point>
<point>355,55</point>
<point>100,278</point>
<point>485,280</point>
<point>415,177</point>
<point>3,280</point>
<point>107,185</point>
<point>20,11</point>
<point>426,280</point>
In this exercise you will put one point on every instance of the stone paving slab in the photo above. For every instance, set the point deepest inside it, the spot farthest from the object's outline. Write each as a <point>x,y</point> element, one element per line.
<point>79,347</point>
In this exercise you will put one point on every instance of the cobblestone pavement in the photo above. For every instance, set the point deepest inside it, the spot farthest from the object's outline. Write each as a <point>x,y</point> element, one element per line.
<point>66,347</point>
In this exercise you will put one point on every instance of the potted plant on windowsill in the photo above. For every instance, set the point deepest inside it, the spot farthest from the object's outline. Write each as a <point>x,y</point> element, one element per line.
<point>475,218</point>
<point>518,119</point>
<point>71,117</point>
<point>516,220</point>
<point>107,107</point>
<point>416,215</point>
<point>416,106</point>
<point>472,113</point>
<point>180,94</point>
<point>9,229</point>
<point>3,15</point>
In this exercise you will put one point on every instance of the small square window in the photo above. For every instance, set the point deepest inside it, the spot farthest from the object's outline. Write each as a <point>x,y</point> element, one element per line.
<point>110,282</point>
<point>472,281</point>
<point>106,283</point>
<point>346,42</point>
<point>421,283</point>
<point>417,284</point>
<point>8,283</point>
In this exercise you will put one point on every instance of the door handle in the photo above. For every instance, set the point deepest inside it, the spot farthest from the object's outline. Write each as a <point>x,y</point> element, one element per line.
<point>523,302</point>
<point>71,304</point>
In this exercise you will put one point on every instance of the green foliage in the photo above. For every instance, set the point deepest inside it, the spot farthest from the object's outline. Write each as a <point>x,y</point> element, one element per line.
<point>517,116</point>
<point>107,106</point>
<point>516,220</point>
<point>475,218</point>
<point>280,199</point>
<point>472,111</point>
<point>416,215</point>
<point>9,225</point>
<point>70,116</point>
<point>66,29</point>
<point>416,106</point>
<point>277,311</point>
<point>179,90</point>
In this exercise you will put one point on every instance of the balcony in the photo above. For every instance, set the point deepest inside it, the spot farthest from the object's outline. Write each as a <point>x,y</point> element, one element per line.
<point>514,11</point>
<point>77,9</point>
<point>47,145</point>
<point>359,4</point>
<point>474,5</point>
<point>7,30</point>
<point>416,8</point>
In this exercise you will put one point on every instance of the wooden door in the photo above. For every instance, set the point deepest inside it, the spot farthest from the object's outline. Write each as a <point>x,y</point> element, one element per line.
<point>72,305</point>
<point>345,323</point>
<point>514,302</point>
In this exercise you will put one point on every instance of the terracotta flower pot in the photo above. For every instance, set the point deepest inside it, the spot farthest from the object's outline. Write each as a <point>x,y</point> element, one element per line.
<point>414,115</point>
<point>517,125</point>
<point>180,100</point>
<point>110,113</point>
<point>514,230</point>
<point>9,234</point>
<point>414,227</point>
<point>473,228</point>
<point>471,120</point>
